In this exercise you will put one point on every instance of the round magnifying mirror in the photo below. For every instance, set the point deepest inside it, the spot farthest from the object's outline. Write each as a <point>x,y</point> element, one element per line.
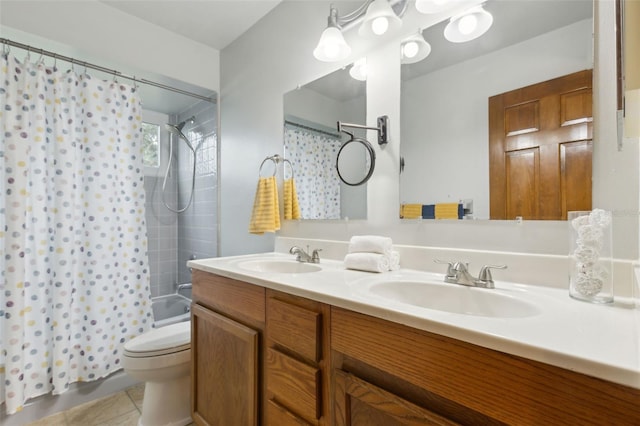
<point>355,162</point>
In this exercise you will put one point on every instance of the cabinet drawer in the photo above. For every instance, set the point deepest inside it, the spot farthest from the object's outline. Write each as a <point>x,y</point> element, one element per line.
<point>277,415</point>
<point>235,299</point>
<point>294,384</point>
<point>295,328</point>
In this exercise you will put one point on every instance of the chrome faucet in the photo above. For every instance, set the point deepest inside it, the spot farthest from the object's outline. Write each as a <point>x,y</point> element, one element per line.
<point>185,286</point>
<point>458,273</point>
<point>303,256</point>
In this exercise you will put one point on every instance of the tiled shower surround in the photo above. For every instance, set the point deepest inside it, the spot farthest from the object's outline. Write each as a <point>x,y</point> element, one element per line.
<point>175,238</point>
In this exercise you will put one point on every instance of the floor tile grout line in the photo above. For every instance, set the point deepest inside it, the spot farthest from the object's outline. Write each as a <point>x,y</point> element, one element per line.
<point>132,400</point>
<point>67,421</point>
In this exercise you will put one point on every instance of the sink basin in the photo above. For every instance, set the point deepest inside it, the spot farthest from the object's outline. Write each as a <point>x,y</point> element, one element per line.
<point>454,298</point>
<point>278,266</point>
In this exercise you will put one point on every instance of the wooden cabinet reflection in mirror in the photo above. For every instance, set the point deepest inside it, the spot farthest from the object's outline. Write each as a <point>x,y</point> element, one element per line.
<point>540,149</point>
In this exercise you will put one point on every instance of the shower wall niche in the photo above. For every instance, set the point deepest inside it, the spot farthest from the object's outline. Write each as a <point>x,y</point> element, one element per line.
<point>174,238</point>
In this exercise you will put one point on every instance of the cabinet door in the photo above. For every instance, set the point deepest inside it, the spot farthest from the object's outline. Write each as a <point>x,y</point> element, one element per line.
<point>359,403</point>
<point>224,370</point>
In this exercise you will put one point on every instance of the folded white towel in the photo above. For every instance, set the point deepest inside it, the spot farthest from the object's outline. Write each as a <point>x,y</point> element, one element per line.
<point>394,260</point>
<point>370,262</point>
<point>370,244</point>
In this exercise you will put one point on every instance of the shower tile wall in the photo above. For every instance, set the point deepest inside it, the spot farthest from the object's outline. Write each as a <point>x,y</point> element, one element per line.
<point>175,238</point>
<point>198,225</point>
<point>162,235</point>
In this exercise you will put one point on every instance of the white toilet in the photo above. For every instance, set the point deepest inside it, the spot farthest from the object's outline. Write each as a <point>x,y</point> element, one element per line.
<point>161,358</point>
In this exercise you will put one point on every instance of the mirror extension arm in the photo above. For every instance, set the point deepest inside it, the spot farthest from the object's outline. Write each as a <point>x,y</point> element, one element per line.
<point>383,125</point>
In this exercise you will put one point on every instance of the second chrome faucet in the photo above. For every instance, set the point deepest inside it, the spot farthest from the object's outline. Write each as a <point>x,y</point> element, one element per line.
<point>303,256</point>
<point>458,273</point>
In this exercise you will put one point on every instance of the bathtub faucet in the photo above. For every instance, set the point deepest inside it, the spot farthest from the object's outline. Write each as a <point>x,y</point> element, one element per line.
<point>185,286</point>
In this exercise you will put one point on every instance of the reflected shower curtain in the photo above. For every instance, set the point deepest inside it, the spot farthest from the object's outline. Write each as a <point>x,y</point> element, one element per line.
<point>313,156</point>
<point>73,255</point>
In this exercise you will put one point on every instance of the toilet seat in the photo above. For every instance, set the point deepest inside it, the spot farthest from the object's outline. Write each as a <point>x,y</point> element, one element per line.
<point>171,339</point>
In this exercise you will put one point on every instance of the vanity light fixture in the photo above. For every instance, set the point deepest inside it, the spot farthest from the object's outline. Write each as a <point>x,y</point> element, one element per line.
<point>379,19</point>
<point>468,25</point>
<point>377,16</point>
<point>414,49</point>
<point>332,45</point>
<point>380,16</point>
<point>359,69</point>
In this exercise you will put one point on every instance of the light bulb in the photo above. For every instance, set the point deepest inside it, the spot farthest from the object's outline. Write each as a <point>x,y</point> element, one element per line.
<point>467,24</point>
<point>359,69</point>
<point>332,46</point>
<point>380,25</point>
<point>331,50</point>
<point>410,49</point>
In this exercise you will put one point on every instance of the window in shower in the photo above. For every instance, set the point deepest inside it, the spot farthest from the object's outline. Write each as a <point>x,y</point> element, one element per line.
<point>151,145</point>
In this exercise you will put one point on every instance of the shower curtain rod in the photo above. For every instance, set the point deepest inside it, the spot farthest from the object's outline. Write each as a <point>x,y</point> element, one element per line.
<point>115,73</point>
<point>302,126</point>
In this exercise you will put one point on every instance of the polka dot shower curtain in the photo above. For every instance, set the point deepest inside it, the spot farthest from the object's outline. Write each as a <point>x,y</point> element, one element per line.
<point>313,156</point>
<point>73,255</point>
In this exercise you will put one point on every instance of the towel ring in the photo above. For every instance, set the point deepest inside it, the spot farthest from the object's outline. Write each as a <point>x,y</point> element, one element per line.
<point>275,165</point>
<point>275,159</point>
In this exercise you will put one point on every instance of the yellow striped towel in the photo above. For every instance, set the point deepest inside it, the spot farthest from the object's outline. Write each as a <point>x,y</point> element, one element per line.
<point>411,211</point>
<point>265,216</point>
<point>291,206</point>
<point>446,211</point>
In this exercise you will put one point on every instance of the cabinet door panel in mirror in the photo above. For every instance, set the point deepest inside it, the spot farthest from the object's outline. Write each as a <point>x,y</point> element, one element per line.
<point>445,98</point>
<point>311,143</point>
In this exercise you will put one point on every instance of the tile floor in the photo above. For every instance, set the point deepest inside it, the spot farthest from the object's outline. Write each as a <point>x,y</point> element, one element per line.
<point>120,409</point>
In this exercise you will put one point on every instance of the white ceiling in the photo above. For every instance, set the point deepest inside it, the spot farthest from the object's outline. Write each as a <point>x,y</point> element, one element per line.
<point>215,23</point>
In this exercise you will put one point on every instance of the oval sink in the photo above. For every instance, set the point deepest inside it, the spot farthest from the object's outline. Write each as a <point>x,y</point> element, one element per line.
<point>278,266</point>
<point>454,298</point>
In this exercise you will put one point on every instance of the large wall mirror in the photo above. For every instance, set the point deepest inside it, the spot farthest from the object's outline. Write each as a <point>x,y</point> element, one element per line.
<point>311,143</point>
<point>445,97</point>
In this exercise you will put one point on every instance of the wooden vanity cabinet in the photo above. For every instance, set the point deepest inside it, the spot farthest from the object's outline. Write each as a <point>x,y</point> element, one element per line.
<point>389,374</point>
<point>297,373</point>
<point>227,323</point>
<point>265,357</point>
<point>258,356</point>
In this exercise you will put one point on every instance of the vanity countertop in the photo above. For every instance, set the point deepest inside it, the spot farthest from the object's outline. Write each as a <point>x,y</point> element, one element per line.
<point>596,340</point>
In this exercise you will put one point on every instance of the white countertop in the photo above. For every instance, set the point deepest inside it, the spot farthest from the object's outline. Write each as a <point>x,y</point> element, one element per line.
<point>597,340</point>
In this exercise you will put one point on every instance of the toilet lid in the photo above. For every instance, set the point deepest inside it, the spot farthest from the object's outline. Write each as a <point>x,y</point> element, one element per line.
<point>160,341</point>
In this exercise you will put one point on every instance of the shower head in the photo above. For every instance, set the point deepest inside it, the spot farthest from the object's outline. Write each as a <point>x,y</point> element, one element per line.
<point>176,129</point>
